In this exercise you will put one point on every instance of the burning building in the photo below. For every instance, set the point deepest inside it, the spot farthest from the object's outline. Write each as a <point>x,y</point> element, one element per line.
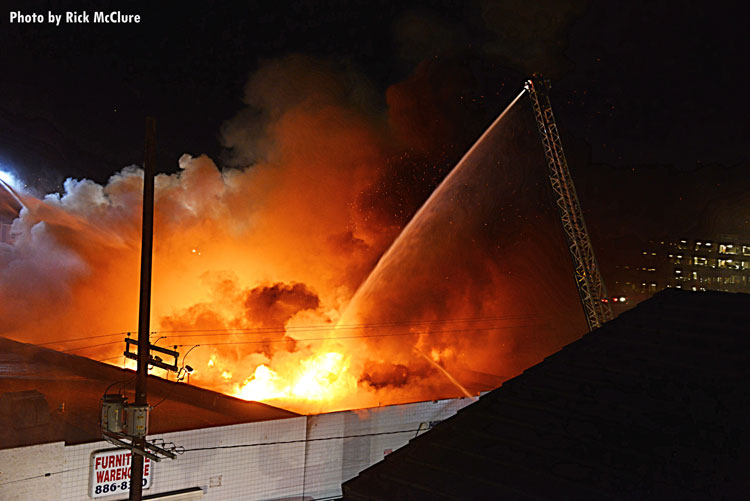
<point>51,445</point>
<point>287,284</point>
<point>291,289</point>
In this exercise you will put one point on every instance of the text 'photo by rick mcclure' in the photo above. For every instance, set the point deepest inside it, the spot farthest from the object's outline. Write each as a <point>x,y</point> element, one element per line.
<point>73,17</point>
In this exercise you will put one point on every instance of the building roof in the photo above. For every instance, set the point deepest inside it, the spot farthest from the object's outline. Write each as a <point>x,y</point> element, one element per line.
<point>651,405</point>
<point>48,396</point>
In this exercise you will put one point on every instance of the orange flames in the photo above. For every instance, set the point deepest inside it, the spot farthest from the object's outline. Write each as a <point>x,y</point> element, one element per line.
<point>258,266</point>
<point>320,379</point>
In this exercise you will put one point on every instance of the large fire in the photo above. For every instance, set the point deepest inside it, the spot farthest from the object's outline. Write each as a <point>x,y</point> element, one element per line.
<point>322,378</point>
<point>275,280</point>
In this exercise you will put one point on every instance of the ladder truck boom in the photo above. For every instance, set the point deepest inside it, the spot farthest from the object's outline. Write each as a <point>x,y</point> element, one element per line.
<point>585,268</point>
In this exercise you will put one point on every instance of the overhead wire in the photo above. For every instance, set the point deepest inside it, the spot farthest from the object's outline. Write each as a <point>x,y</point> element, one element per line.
<point>299,441</point>
<point>236,446</point>
<point>335,338</point>
<point>43,475</point>
<point>323,327</point>
<point>300,328</point>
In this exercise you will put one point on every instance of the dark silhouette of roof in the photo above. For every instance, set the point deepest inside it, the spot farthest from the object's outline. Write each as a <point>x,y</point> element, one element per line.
<point>49,396</point>
<point>651,405</point>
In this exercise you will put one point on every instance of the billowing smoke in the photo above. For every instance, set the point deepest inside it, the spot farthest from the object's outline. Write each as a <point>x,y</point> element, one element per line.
<point>256,264</point>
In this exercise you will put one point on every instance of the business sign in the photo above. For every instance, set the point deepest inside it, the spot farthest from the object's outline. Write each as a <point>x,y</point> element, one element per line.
<point>110,473</point>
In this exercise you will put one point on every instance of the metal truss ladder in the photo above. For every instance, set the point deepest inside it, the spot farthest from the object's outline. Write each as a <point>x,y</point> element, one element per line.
<point>586,270</point>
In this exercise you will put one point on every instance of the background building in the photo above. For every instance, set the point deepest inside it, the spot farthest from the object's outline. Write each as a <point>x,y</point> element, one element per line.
<point>720,262</point>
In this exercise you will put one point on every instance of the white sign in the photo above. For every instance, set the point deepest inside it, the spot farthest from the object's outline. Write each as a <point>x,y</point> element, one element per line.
<point>110,473</point>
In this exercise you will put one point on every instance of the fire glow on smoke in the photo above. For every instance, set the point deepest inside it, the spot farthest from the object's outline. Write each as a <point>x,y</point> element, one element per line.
<point>271,268</point>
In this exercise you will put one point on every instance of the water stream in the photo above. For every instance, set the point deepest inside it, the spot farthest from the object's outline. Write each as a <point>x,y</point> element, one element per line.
<point>408,241</point>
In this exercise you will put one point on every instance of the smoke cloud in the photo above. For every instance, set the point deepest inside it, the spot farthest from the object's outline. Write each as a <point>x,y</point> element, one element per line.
<point>258,262</point>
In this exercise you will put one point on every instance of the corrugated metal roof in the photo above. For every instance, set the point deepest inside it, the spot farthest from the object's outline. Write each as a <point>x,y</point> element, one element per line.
<point>73,386</point>
<point>651,405</point>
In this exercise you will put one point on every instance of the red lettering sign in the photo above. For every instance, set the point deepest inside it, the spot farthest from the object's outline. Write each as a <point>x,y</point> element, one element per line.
<point>110,473</point>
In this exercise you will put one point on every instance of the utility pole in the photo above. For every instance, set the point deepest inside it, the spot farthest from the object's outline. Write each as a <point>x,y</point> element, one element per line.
<point>144,310</point>
<point>126,425</point>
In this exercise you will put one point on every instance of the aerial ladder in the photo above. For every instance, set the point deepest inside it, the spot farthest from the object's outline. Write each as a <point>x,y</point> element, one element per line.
<point>585,268</point>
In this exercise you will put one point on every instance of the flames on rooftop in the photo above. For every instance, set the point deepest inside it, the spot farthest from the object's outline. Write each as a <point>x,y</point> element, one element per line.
<point>289,282</point>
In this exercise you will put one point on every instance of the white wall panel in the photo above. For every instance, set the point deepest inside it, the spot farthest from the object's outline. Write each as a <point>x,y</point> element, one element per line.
<point>303,457</point>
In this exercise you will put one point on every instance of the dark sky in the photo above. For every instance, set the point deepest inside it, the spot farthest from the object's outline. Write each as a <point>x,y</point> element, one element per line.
<point>650,98</point>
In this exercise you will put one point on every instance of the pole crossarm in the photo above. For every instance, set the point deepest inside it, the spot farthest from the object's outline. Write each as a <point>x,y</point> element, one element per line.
<point>585,267</point>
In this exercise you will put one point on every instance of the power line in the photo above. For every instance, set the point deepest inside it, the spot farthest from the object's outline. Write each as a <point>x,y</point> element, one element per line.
<point>362,336</point>
<point>48,474</point>
<point>303,440</point>
<point>333,338</point>
<point>90,346</point>
<point>236,446</point>
<point>373,325</point>
<point>282,330</point>
<point>82,338</point>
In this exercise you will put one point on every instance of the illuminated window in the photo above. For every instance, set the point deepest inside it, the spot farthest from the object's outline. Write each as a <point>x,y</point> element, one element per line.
<point>746,250</point>
<point>746,265</point>
<point>700,261</point>
<point>727,249</point>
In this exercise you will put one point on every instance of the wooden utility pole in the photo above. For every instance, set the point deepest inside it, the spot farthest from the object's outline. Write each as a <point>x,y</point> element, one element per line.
<point>144,310</point>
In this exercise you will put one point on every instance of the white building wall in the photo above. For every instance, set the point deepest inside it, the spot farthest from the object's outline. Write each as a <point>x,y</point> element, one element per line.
<point>369,435</point>
<point>299,458</point>
<point>258,472</point>
<point>23,472</point>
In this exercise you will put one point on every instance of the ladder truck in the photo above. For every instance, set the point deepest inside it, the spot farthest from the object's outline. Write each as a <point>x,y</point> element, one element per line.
<point>585,268</point>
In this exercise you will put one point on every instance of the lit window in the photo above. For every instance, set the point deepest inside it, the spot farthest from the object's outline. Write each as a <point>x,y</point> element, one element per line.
<point>746,250</point>
<point>700,261</point>
<point>727,249</point>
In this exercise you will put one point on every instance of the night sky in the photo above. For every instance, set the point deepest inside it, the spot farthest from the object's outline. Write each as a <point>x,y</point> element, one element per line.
<point>650,99</point>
